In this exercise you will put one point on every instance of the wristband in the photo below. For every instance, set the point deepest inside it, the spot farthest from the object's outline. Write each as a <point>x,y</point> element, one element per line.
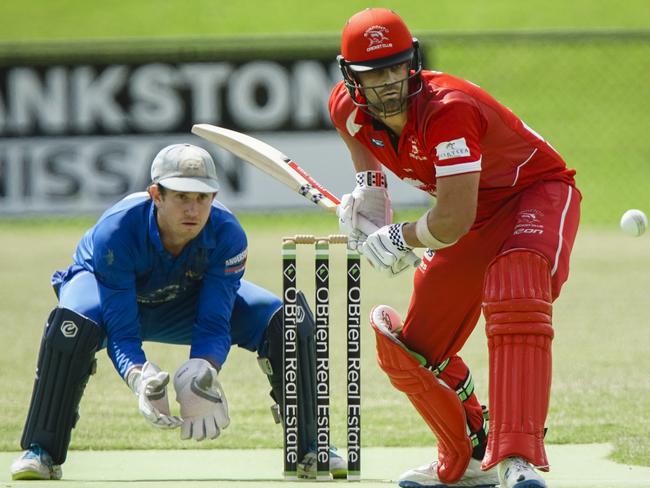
<point>425,236</point>
<point>371,179</point>
<point>396,235</point>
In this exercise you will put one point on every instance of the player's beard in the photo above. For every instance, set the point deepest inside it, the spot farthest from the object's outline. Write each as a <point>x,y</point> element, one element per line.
<point>393,105</point>
<point>389,100</point>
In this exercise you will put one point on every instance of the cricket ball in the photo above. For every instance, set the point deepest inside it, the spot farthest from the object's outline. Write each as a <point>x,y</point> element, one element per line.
<point>634,222</point>
<point>391,319</point>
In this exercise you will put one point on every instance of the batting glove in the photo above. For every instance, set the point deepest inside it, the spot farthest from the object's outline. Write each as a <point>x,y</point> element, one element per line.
<point>204,407</point>
<point>150,386</point>
<point>368,203</point>
<point>386,249</point>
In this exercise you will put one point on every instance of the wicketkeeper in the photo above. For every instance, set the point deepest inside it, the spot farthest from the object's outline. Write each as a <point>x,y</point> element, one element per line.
<point>499,239</point>
<point>166,266</point>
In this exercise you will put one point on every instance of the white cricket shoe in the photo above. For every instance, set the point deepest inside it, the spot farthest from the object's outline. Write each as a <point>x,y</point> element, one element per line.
<point>307,468</point>
<point>427,477</point>
<point>35,464</point>
<point>515,472</point>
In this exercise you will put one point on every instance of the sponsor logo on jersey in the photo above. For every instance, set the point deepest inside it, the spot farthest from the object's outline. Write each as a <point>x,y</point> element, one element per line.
<point>236,263</point>
<point>193,275</point>
<point>528,222</point>
<point>456,148</point>
<point>377,38</point>
<point>161,295</point>
<point>377,142</point>
<point>415,150</point>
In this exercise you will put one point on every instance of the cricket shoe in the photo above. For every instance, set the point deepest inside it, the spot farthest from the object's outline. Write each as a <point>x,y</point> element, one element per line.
<point>307,468</point>
<point>35,464</point>
<point>515,472</point>
<point>427,477</point>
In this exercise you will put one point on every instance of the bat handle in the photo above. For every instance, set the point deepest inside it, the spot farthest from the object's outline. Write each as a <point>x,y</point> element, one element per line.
<point>368,228</point>
<point>412,259</point>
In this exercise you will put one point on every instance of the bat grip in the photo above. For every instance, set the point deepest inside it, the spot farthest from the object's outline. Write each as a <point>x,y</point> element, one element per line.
<point>368,228</point>
<point>412,259</point>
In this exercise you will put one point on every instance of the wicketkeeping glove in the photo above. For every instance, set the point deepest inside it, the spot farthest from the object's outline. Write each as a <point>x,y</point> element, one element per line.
<point>386,248</point>
<point>150,386</point>
<point>204,407</point>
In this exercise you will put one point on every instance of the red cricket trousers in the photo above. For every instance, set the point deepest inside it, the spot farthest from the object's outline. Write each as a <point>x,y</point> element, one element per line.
<point>448,286</point>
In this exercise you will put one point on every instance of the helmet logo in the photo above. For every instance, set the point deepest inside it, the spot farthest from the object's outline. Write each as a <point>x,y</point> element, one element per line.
<point>377,37</point>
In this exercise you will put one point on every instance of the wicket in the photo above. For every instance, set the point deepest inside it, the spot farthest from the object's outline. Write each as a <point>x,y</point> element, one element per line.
<point>290,357</point>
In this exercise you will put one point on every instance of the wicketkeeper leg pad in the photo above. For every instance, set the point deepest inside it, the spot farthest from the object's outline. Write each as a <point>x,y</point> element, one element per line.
<point>518,309</point>
<point>65,362</point>
<point>272,364</point>
<point>438,404</point>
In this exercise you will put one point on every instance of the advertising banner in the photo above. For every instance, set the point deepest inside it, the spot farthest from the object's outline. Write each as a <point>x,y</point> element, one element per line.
<point>76,137</point>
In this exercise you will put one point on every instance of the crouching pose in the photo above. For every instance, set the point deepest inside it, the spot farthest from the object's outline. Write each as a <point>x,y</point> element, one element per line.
<point>499,239</point>
<point>166,266</point>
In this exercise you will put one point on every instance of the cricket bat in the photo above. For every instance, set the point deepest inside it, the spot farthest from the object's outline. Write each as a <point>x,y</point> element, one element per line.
<point>280,167</point>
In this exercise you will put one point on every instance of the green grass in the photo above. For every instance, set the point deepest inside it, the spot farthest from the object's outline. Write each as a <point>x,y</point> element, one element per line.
<point>588,98</point>
<point>600,352</point>
<point>78,19</point>
<point>557,89</point>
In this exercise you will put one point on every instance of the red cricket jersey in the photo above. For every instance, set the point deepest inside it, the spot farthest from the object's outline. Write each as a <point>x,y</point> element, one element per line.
<point>455,127</point>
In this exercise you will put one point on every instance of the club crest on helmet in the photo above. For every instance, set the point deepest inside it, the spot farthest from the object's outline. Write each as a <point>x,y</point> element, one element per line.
<point>377,36</point>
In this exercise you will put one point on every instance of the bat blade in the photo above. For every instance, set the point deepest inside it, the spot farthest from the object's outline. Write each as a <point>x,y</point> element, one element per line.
<point>256,152</point>
<point>270,160</point>
<point>277,165</point>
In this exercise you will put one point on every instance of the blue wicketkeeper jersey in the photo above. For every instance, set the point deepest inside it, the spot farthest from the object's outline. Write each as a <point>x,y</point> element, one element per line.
<point>133,270</point>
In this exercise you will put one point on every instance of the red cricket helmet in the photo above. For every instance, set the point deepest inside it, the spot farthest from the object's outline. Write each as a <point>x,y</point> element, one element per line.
<point>375,38</point>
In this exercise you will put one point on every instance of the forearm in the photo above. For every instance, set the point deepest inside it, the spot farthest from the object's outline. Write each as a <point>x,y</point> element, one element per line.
<point>125,355</point>
<point>211,339</point>
<point>366,164</point>
<point>443,226</point>
<point>452,216</point>
<point>122,325</point>
<point>213,350</point>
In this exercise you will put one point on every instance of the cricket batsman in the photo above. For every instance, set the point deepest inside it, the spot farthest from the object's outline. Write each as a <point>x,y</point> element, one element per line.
<point>166,266</point>
<point>498,239</point>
